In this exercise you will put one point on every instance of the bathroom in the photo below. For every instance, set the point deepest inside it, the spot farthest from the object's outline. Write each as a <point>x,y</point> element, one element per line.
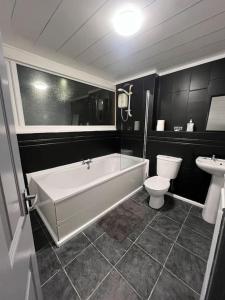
<point>112,149</point>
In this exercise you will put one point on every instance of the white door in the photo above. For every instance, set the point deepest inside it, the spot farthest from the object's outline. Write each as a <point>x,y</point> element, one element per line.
<point>19,278</point>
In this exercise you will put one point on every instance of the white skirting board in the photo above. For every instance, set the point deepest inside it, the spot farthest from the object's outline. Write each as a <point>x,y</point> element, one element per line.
<point>185,200</point>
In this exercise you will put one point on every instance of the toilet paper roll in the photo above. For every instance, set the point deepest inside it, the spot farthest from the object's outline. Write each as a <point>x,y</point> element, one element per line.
<point>160,125</point>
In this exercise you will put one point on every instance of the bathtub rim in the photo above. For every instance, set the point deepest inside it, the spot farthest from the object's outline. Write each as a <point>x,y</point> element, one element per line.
<point>94,183</point>
<point>87,224</point>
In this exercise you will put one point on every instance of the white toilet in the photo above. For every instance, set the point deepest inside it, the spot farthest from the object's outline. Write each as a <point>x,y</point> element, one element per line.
<point>157,186</point>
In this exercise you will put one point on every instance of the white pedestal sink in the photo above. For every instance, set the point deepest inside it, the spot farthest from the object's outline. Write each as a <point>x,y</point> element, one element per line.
<point>215,167</point>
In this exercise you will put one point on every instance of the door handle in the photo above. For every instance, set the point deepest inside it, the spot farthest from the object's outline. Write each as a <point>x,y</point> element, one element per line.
<point>28,199</point>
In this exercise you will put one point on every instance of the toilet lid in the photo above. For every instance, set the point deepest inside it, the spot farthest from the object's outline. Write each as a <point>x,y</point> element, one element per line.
<point>157,183</point>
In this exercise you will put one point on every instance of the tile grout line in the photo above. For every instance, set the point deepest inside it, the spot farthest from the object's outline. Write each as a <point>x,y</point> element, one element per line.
<point>133,242</point>
<point>148,254</point>
<point>67,275</point>
<point>173,241</point>
<point>63,268</point>
<point>49,278</point>
<point>114,268</point>
<point>183,282</point>
<point>177,243</point>
<point>202,235</point>
<point>152,291</point>
<point>69,262</point>
<point>92,243</point>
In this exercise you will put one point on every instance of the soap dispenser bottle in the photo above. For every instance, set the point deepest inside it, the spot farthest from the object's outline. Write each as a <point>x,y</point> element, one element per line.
<point>190,126</point>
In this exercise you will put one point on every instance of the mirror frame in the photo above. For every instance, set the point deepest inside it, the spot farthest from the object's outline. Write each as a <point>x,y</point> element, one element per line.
<point>213,130</point>
<point>18,114</point>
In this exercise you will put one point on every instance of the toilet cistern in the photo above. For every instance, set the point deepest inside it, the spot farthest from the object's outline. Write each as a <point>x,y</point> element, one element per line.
<point>216,168</point>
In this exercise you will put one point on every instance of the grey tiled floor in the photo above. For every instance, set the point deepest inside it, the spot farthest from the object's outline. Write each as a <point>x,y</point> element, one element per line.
<point>134,252</point>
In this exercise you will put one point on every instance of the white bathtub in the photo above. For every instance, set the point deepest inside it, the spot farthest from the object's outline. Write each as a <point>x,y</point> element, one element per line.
<point>71,197</point>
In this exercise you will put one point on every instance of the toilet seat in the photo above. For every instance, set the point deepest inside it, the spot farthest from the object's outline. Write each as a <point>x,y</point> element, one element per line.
<point>157,183</point>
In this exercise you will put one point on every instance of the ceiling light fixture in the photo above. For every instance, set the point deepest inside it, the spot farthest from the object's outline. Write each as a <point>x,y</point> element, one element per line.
<point>40,85</point>
<point>128,20</point>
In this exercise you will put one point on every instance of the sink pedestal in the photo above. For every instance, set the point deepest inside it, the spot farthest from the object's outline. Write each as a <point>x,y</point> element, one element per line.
<point>210,209</point>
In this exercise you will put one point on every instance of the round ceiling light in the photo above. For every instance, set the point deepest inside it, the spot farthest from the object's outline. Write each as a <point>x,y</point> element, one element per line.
<point>128,20</point>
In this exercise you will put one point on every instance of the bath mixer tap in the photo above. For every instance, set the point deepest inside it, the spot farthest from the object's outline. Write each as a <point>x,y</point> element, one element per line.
<point>87,162</point>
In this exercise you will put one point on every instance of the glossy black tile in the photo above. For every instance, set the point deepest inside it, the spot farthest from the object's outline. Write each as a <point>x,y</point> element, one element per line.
<point>47,148</point>
<point>139,270</point>
<point>200,226</point>
<point>198,107</point>
<point>126,220</point>
<point>140,197</point>
<point>48,264</point>
<point>194,242</point>
<point>155,244</point>
<point>111,248</point>
<point>60,288</point>
<point>87,270</point>
<point>175,209</point>
<point>141,225</point>
<point>180,101</point>
<point>170,288</point>
<point>114,287</point>
<point>166,226</point>
<point>187,267</point>
<point>196,211</point>
<point>93,231</point>
<point>200,77</point>
<point>72,248</point>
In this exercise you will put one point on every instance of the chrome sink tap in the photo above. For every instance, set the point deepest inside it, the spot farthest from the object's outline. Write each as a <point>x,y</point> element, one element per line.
<point>214,157</point>
<point>87,162</point>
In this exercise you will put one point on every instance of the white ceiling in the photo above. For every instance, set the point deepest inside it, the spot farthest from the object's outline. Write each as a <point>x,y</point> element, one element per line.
<point>80,33</point>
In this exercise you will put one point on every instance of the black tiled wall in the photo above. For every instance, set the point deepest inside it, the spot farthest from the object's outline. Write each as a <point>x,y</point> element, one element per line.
<point>178,97</point>
<point>130,139</point>
<point>186,94</point>
<point>40,151</point>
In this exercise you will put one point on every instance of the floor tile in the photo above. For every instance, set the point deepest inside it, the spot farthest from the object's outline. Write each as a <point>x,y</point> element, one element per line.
<point>170,288</point>
<point>194,242</point>
<point>60,288</point>
<point>155,244</point>
<point>114,287</point>
<point>141,225</point>
<point>72,248</point>
<point>93,231</point>
<point>197,211</point>
<point>111,248</point>
<point>125,219</point>
<point>166,226</point>
<point>200,226</point>
<point>139,270</point>
<point>48,264</point>
<point>175,209</point>
<point>141,197</point>
<point>87,270</point>
<point>187,267</point>
<point>40,240</point>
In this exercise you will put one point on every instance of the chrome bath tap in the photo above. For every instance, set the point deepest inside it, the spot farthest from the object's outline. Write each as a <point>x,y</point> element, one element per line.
<point>87,162</point>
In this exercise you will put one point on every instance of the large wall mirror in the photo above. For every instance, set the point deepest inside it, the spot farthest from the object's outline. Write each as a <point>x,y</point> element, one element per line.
<point>51,100</point>
<point>216,118</point>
